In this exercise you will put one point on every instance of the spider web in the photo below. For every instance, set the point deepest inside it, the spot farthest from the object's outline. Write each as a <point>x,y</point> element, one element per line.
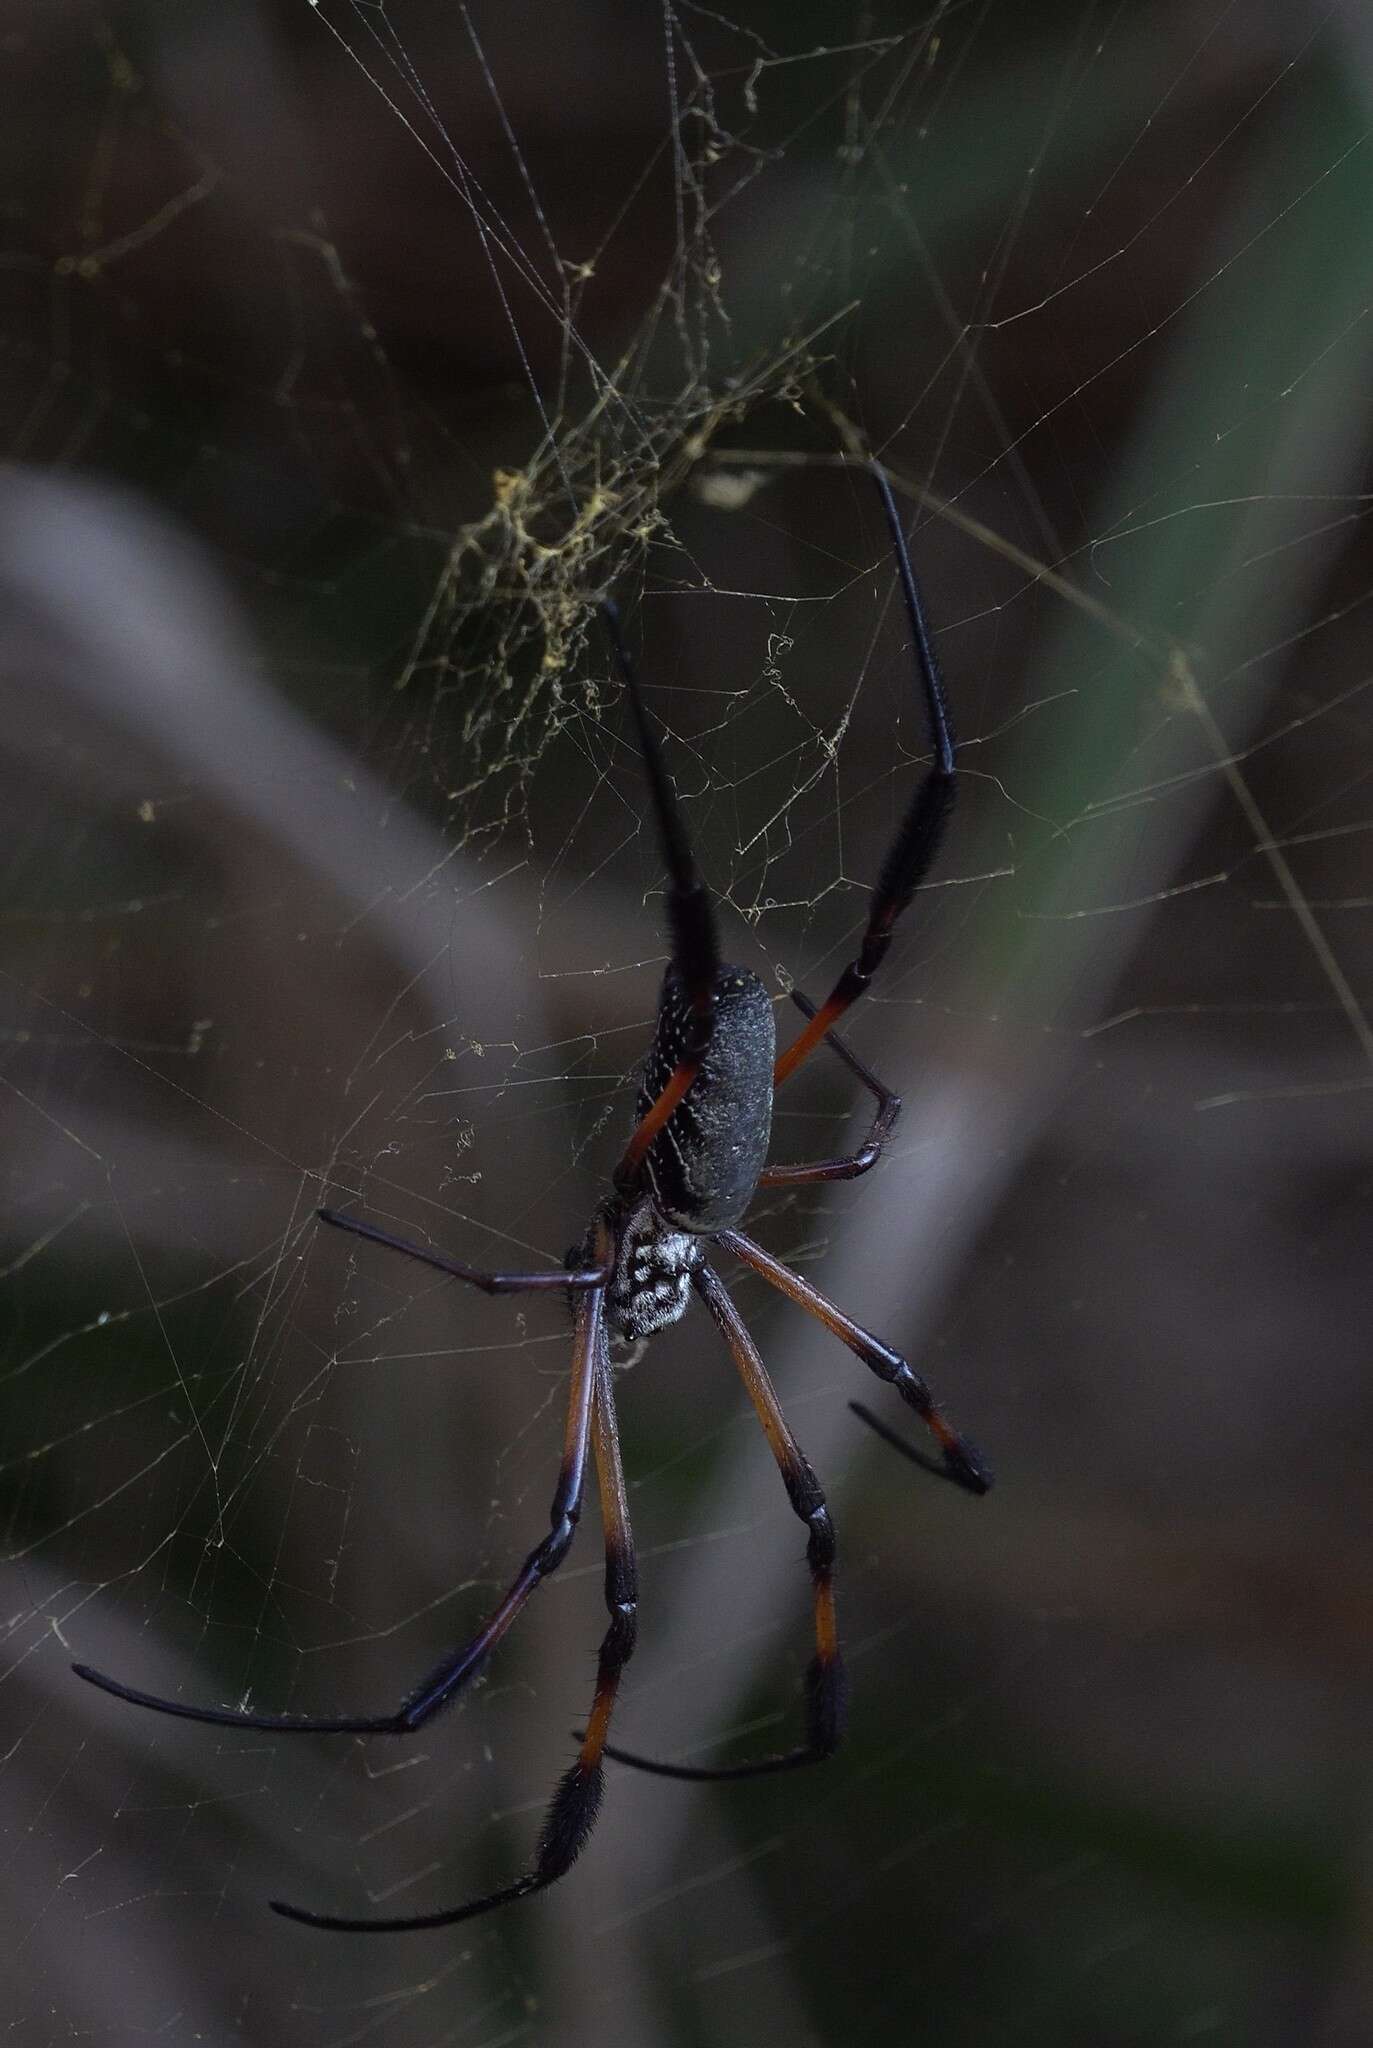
<point>353,352</point>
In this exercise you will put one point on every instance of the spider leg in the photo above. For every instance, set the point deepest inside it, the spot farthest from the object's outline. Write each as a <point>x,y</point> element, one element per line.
<point>691,921</point>
<point>461,1665</point>
<point>935,1466</point>
<point>572,1813</point>
<point>581,1280</point>
<point>912,852</point>
<point>962,1461</point>
<point>870,1151</point>
<point>825,1684</point>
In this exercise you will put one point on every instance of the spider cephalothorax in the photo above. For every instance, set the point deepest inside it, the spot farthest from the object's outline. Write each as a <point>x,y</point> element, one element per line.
<point>654,1267</point>
<point>697,1153</point>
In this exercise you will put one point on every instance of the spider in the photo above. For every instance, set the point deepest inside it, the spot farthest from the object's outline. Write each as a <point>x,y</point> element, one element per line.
<point>697,1154</point>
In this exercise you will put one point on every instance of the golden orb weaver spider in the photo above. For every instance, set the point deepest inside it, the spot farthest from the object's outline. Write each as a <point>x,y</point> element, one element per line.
<point>696,1156</point>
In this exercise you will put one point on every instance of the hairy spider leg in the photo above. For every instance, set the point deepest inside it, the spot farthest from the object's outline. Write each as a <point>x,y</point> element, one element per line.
<point>912,852</point>
<point>695,953</point>
<point>825,1686</point>
<point>962,1462</point>
<point>870,1151</point>
<point>695,945</point>
<point>935,1466</point>
<point>572,1812</point>
<point>554,1280</point>
<point>848,1168</point>
<point>460,1666</point>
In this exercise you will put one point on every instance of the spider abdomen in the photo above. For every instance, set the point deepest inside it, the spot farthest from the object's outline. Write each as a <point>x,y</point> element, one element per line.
<point>703,1166</point>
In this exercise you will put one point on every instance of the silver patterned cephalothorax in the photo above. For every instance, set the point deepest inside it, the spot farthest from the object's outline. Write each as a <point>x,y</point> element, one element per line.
<point>696,1156</point>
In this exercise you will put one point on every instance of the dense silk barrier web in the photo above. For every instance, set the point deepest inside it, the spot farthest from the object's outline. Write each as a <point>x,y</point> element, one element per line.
<point>353,355</point>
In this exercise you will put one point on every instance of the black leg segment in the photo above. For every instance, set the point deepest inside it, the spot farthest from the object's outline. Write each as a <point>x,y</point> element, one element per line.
<point>575,1804</point>
<point>825,1684</point>
<point>870,1151</point>
<point>690,917</point>
<point>961,1460</point>
<point>913,850</point>
<point>550,1282</point>
<point>460,1667</point>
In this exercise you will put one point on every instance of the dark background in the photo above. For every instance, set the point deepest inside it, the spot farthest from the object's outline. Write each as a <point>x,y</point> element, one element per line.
<point>327,877</point>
